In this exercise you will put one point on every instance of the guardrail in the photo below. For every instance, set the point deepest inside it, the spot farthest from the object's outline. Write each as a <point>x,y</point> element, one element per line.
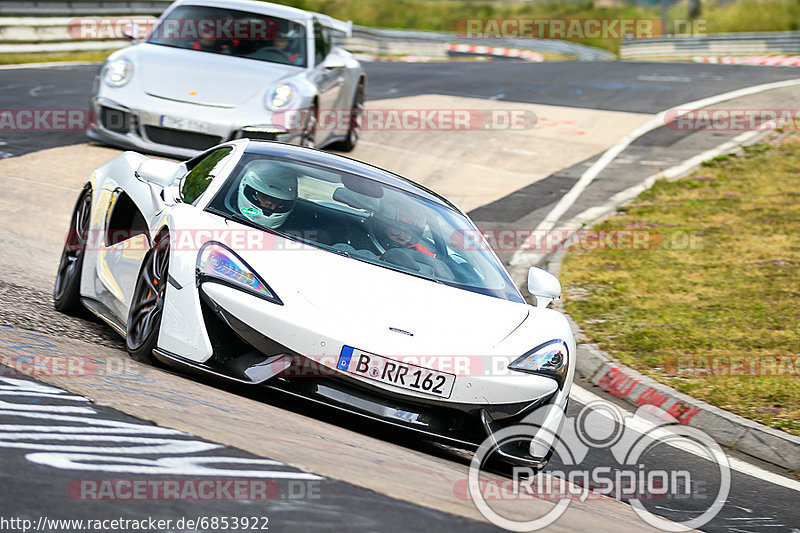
<point>716,45</point>
<point>49,8</point>
<point>415,42</point>
<point>52,34</point>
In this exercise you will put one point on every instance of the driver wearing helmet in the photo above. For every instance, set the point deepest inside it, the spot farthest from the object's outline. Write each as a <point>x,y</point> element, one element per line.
<point>267,193</point>
<point>402,227</point>
<point>284,44</point>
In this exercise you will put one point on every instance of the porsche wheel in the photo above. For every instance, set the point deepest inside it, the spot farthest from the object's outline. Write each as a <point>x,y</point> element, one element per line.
<point>66,293</point>
<point>147,304</point>
<point>356,117</point>
<point>308,137</point>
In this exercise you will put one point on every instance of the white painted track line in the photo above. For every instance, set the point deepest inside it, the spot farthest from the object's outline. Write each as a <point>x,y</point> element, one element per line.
<point>585,396</point>
<point>524,257</point>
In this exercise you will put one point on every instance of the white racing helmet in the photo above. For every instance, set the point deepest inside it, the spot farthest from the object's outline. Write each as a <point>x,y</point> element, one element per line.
<point>267,193</point>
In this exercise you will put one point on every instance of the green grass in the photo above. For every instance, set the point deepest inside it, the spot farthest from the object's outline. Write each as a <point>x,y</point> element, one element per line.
<point>727,287</point>
<point>89,57</point>
<point>441,15</point>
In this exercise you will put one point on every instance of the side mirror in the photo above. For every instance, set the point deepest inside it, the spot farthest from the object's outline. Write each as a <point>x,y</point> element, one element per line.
<point>158,172</point>
<point>131,31</point>
<point>544,286</point>
<point>333,62</point>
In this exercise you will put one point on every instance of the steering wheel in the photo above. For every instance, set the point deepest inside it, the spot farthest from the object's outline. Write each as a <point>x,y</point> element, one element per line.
<point>276,51</point>
<point>371,230</point>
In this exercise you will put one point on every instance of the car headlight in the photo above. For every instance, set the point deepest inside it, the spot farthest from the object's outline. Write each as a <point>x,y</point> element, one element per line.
<point>550,359</point>
<point>118,71</point>
<point>280,97</point>
<point>216,262</point>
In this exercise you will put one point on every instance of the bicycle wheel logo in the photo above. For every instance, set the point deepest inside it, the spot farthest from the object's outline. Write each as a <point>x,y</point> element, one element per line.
<point>631,448</point>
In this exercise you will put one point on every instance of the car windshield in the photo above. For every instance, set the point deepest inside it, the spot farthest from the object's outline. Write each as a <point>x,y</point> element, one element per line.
<point>362,219</point>
<point>235,33</point>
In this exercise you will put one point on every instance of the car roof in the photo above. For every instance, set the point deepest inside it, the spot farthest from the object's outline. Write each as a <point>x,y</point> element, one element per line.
<point>265,8</point>
<point>345,164</point>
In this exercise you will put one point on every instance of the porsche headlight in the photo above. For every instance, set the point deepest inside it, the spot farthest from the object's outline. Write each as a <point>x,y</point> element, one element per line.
<point>217,263</point>
<point>550,358</point>
<point>279,97</point>
<point>118,71</point>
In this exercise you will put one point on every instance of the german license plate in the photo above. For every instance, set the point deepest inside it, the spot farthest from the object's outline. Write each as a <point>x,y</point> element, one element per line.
<point>397,373</point>
<point>187,124</point>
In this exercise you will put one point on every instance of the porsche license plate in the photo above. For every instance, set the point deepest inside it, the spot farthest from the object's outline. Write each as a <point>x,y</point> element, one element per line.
<point>187,124</point>
<point>401,374</point>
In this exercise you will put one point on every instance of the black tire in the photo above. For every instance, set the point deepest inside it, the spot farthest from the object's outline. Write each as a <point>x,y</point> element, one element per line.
<point>308,137</point>
<point>356,114</point>
<point>66,292</point>
<point>147,303</point>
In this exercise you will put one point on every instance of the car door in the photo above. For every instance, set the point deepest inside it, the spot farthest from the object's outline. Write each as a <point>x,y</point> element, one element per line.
<point>328,75</point>
<point>125,239</point>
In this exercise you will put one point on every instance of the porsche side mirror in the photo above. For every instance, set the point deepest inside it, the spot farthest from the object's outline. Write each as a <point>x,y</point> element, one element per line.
<point>158,172</point>
<point>131,31</point>
<point>333,62</point>
<point>544,286</point>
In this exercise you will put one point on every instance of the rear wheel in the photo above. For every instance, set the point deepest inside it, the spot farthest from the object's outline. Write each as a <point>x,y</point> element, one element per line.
<point>356,117</point>
<point>147,304</point>
<point>66,292</point>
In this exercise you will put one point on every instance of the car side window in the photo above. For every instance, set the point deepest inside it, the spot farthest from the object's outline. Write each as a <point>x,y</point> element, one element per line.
<point>200,176</point>
<point>322,44</point>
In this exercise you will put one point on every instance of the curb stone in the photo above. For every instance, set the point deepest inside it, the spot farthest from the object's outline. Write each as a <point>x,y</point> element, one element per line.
<point>726,428</point>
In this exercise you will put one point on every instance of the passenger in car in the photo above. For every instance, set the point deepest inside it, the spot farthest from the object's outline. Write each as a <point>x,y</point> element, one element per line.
<point>402,230</point>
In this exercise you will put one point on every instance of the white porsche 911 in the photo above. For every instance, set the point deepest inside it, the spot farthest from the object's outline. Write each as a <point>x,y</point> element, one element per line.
<point>324,277</point>
<point>216,70</point>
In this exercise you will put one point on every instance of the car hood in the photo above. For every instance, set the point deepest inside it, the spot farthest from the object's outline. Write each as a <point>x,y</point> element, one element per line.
<point>205,78</point>
<point>382,310</point>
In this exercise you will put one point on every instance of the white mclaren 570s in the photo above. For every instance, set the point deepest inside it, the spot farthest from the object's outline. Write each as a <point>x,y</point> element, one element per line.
<point>327,278</point>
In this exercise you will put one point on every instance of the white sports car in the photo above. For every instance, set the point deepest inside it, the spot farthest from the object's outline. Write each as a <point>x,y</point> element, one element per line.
<point>216,70</point>
<point>324,277</point>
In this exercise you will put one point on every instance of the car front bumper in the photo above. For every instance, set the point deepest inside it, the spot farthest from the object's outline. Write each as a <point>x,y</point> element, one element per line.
<point>242,350</point>
<point>141,127</point>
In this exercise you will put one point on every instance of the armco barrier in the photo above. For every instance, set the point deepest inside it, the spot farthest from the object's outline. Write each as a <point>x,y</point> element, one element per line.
<point>25,34</point>
<point>716,45</point>
<point>50,8</point>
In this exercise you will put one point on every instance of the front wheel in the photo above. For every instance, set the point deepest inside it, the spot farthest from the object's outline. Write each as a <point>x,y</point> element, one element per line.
<point>308,137</point>
<point>356,117</point>
<point>66,292</point>
<point>147,304</point>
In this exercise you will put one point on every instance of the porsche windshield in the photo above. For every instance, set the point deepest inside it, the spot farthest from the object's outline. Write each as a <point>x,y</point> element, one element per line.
<point>235,33</point>
<point>363,219</point>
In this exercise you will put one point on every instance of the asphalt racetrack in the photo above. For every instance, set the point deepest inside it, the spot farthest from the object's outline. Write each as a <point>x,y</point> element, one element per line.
<point>309,468</point>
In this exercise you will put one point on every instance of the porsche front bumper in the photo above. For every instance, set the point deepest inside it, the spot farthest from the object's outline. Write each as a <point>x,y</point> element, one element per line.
<point>141,126</point>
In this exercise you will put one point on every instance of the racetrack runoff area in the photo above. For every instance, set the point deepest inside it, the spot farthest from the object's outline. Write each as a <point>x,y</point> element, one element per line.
<point>472,168</point>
